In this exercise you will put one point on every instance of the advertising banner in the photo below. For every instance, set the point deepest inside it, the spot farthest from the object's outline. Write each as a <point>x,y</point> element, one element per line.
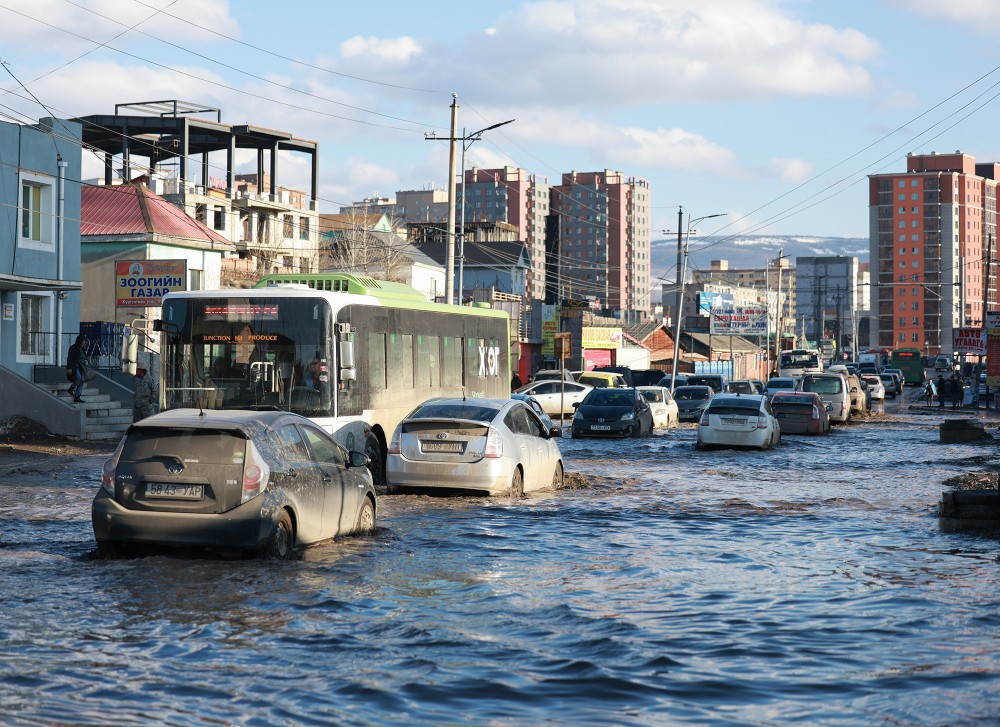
<point>145,282</point>
<point>970,340</point>
<point>739,321</point>
<point>993,348</point>
<point>598,337</point>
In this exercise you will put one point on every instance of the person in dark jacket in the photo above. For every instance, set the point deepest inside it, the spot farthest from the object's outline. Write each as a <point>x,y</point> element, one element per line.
<point>957,391</point>
<point>515,382</point>
<point>142,395</point>
<point>76,360</point>
<point>942,390</point>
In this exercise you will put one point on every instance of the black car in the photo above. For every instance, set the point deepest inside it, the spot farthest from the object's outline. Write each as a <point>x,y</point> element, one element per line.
<point>233,481</point>
<point>613,412</point>
<point>691,401</point>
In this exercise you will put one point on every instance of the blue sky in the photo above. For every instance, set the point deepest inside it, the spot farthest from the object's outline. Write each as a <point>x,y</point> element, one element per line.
<point>771,111</point>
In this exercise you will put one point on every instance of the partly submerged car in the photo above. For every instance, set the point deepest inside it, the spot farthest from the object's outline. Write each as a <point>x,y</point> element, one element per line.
<point>661,404</point>
<point>231,481</point>
<point>738,420</point>
<point>492,446</point>
<point>801,412</point>
<point>613,412</point>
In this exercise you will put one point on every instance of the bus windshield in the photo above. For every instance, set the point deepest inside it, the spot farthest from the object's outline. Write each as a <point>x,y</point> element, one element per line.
<point>800,359</point>
<point>247,353</point>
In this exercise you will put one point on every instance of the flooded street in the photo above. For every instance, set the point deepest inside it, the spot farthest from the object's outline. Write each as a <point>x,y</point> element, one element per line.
<point>805,585</point>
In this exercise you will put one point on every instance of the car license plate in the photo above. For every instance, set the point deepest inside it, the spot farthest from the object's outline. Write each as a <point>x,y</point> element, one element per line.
<point>175,491</point>
<point>443,446</point>
<point>734,420</point>
<point>600,427</point>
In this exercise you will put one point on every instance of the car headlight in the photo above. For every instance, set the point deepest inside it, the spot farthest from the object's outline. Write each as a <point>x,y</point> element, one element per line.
<point>577,415</point>
<point>628,417</point>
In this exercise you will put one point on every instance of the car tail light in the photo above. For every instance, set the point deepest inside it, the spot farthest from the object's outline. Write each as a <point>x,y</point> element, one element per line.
<point>762,422</point>
<point>815,412</point>
<point>394,443</point>
<point>494,445</point>
<point>108,470</point>
<point>255,474</point>
<point>704,419</point>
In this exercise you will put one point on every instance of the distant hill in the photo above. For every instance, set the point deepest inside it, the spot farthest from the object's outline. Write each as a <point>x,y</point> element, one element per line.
<point>751,251</point>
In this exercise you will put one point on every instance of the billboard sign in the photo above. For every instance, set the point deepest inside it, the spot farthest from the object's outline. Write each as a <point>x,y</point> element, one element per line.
<point>145,282</point>
<point>993,348</point>
<point>970,340</point>
<point>748,320</point>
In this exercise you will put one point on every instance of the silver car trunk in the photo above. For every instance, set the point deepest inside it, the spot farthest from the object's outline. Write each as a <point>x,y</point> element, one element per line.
<point>181,470</point>
<point>444,440</point>
<point>733,417</point>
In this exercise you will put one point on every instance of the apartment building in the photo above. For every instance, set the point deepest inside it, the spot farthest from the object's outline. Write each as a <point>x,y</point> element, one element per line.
<point>931,233</point>
<point>602,224</point>
<point>831,299</point>
<point>514,196</point>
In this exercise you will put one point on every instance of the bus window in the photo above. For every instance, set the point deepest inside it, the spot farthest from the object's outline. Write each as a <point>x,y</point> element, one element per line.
<point>376,360</point>
<point>428,353</point>
<point>452,361</point>
<point>400,360</point>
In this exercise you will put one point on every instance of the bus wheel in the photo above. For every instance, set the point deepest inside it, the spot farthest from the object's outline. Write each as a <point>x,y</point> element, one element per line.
<point>376,464</point>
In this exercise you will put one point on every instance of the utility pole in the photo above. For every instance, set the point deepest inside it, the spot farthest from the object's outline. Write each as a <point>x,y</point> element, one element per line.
<point>680,262</point>
<point>837,335</point>
<point>449,271</point>
<point>777,333</point>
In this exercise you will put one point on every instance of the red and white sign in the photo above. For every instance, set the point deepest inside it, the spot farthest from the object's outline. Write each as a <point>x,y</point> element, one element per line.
<point>970,340</point>
<point>145,282</point>
<point>993,348</point>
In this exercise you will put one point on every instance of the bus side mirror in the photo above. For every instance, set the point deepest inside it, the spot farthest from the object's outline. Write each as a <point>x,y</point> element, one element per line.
<point>158,324</point>
<point>347,370</point>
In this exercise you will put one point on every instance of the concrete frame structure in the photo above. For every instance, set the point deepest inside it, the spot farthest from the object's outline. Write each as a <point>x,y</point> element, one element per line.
<point>253,211</point>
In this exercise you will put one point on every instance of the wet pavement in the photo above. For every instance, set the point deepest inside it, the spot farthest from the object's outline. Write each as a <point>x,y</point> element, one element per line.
<point>806,585</point>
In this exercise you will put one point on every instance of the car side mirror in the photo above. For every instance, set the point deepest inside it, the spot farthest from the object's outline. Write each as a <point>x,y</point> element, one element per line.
<point>576,404</point>
<point>555,432</point>
<point>358,459</point>
<point>829,406</point>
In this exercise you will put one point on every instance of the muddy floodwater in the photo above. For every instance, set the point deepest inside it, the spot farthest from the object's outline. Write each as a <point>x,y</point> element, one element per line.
<point>806,585</point>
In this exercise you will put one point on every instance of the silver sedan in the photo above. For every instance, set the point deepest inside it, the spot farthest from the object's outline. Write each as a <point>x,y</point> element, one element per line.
<point>494,446</point>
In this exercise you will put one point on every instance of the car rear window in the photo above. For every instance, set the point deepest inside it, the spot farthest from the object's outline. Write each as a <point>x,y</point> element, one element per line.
<point>694,393</point>
<point>456,410</point>
<point>745,409</point>
<point>653,396</point>
<point>205,446</point>
<point>778,384</point>
<point>823,386</point>
<point>792,401</point>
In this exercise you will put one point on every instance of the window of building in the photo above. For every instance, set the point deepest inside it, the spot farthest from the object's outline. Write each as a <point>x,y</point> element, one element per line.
<point>37,223</point>
<point>902,224</point>
<point>915,223</point>
<point>902,251</point>
<point>219,218</point>
<point>916,291</point>
<point>915,264</point>
<point>914,196</point>
<point>902,291</point>
<point>902,210</point>
<point>916,305</point>
<point>902,237</point>
<point>902,321</point>
<point>303,228</point>
<point>33,328</point>
<point>902,337</point>
<point>196,278</point>
<point>915,337</point>
<point>902,183</point>
<point>914,183</point>
<point>916,321</point>
<point>902,263</point>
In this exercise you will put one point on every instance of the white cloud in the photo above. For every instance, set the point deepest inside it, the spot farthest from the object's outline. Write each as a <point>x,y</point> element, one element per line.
<point>651,51</point>
<point>383,49</point>
<point>981,16</point>
<point>791,170</point>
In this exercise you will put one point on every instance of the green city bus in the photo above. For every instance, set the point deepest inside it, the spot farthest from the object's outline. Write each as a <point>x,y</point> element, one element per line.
<point>911,363</point>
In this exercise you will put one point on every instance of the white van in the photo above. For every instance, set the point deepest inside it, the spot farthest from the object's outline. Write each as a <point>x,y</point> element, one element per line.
<point>833,389</point>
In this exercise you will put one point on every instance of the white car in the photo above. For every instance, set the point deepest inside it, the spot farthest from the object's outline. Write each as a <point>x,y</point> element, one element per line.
<point>662,404</point>
<point>738,420</point>
<point>492,446</point>
<point>875,386</point>
<point>781,383</point>
<point>553,395</point>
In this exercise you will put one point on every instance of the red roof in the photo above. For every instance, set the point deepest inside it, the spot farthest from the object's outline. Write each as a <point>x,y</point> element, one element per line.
<point>132,209</point>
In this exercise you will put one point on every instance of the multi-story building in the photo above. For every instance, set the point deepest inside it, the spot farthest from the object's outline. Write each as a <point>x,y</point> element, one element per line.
<point>516,197</point>
<point>190,160</point>
<point>603,239</point>
<point>931,230</point>
<point>831,299</point>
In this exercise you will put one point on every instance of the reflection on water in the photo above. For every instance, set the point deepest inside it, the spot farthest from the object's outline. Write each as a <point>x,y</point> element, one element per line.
<point>809,584</point>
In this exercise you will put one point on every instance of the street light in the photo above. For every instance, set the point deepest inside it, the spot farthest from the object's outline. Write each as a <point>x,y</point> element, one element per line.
<point>682,257</point>
<point>449,273</point>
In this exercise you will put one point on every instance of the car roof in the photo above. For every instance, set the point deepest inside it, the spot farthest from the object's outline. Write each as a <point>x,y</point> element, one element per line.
<point>232,419</point>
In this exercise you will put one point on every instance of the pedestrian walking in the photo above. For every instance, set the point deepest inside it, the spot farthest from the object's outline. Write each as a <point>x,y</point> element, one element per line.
<point>143,394</point>
<point>942,389</point>
<point>957,392</point>
<point>515,382</point>
<point>929,391</point>
<point>76,367</point>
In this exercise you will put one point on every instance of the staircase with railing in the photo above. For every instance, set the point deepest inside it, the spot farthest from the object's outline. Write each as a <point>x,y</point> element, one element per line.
<point>107,417</point>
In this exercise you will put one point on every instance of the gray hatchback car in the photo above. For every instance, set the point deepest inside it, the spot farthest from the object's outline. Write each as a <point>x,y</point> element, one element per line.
<point>235,482</point>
